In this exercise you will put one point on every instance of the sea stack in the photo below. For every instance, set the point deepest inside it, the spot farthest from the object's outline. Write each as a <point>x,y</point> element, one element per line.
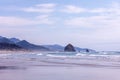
<point>69,48</point>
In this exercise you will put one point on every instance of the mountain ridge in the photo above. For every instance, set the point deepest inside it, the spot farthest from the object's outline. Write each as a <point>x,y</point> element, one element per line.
<point>23,44</point>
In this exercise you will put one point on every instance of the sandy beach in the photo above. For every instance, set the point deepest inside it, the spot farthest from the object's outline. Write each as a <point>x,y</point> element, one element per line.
<point>60,73</point>
<point>52,68</point>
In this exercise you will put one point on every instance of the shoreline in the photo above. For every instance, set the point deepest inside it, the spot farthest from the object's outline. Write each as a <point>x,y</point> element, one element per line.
<point>40,67</point>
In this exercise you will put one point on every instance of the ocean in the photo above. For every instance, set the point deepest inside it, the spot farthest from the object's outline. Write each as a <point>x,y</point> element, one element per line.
<point>71,58</point>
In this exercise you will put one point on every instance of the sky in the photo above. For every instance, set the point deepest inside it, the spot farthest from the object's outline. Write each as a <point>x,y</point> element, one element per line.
<point>91,24</point>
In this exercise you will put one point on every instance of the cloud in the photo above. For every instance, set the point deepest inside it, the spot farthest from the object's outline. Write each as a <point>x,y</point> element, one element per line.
<point>44,19</point>
<point>13,21</point>
<point>17,21</point>
<point>104,17</point>
<point>48,5</point>
<point>98,10</point>
<point>41,8</point>
<point>73,9</point>
<point>99,29</point>
<point>94,21</point>
<point>112,8</point>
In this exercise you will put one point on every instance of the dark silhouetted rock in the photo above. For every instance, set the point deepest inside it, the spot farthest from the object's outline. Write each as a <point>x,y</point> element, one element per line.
<point>69,48</point>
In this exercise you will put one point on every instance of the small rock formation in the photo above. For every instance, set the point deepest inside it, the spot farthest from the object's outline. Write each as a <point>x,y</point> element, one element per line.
<point>69,48</point>
<point>87,50</point>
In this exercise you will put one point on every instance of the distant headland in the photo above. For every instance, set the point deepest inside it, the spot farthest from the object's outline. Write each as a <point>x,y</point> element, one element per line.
<point>14,44</point>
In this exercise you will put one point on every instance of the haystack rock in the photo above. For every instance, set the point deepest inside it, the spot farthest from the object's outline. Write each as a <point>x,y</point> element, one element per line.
<point>69,48</point>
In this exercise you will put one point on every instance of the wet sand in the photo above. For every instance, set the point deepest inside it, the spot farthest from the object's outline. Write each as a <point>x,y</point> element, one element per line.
<point>60,73</point>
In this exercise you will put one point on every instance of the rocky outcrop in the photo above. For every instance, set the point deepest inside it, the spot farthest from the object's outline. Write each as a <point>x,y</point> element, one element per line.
<point>69,48</point>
